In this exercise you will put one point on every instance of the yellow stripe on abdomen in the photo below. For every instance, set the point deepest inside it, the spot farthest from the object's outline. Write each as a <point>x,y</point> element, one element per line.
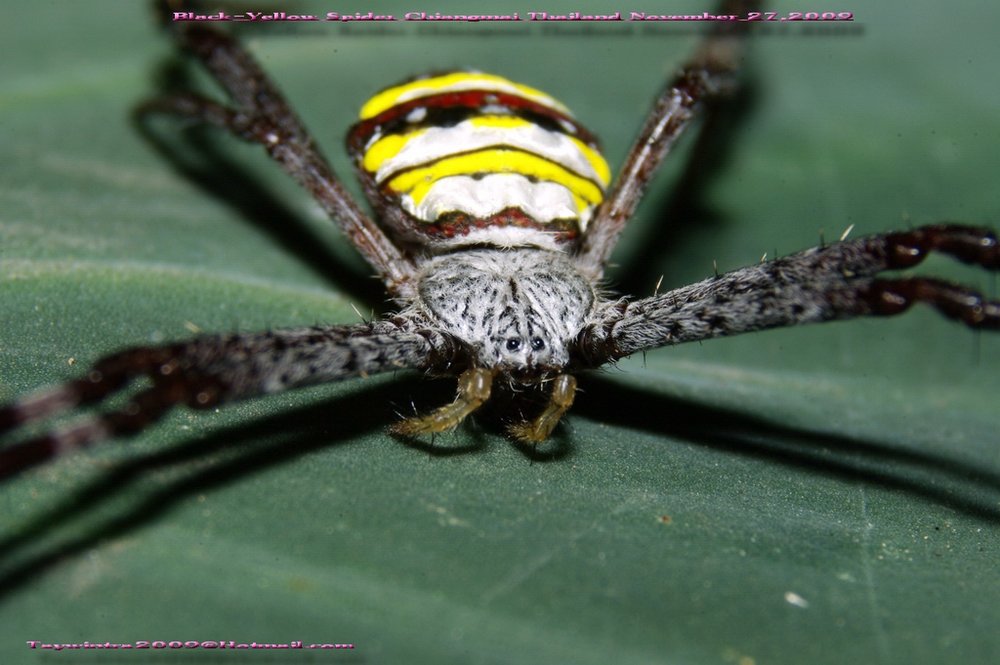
<point>418,181</point>
<point>393,153</point>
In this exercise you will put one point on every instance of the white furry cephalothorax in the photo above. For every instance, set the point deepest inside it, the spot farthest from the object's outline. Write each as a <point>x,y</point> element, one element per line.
<point>519,309</point>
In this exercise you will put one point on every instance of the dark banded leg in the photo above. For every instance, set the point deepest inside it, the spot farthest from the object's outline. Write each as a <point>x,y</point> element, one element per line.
<point>207,371</point>
<point>143,410</point>
<point>711,72</point>
<point>839,281</point>
<point>261,115</point>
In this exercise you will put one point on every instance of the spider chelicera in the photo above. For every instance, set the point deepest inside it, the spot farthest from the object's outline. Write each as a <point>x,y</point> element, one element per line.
<point>495,218</point>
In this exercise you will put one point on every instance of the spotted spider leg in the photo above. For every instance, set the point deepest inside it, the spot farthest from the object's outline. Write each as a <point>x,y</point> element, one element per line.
<point>710,73</point>
<point>839,281</point>
<point>262,115</point>
<point>208,370</point>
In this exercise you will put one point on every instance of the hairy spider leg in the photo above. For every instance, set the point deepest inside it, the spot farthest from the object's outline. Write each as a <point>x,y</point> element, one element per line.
<point>206,371</point>
<point>839,281</point>
<point>711,73</point>
<point>262,115</point>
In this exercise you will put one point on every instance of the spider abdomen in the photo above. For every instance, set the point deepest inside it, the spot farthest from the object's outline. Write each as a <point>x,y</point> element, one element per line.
<point>471,158</point>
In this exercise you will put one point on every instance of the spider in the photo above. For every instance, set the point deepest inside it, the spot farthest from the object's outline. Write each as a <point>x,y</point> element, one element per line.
<point>495,218</point>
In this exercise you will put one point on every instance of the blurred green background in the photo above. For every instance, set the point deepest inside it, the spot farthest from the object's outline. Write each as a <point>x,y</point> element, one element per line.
<point>826,494</point>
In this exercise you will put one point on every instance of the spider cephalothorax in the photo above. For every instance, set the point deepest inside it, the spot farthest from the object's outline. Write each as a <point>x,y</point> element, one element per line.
<point>519,310</point>
<point>495,218</point>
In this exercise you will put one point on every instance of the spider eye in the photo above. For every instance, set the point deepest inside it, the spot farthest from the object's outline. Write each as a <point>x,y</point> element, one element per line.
<point>537,343</point>
<point>513,344</point>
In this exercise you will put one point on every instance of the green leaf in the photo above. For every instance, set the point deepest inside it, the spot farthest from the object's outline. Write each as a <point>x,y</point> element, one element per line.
<point>826,494</point>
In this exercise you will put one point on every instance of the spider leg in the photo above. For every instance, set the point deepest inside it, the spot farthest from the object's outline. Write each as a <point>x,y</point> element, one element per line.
<point>207,371</point>
<point>839,281</point>
<point>262,115</point>
<point>474,386</point>
<point>710,73</point>
<point>539,429</point>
